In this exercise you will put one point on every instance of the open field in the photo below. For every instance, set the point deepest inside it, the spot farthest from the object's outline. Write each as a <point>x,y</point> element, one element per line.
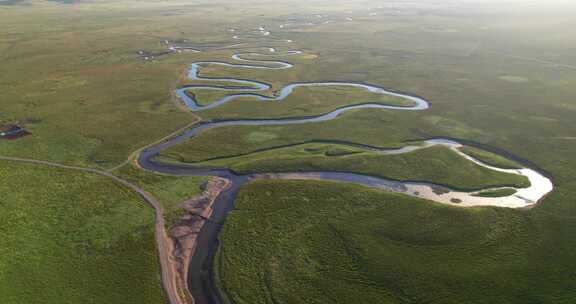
<point>379,128</point>
<point>72,75</point>
<point>435,164</point>
<point>498,74</point>
<point>501,78</point>
<point>320,242</point>
<point>89,104</point>
<point>171,191</point>
<point>469,100</point>
<point>460,57</point>
<point>74,238</point>
<point>491,158</point>
<point>306,101</point>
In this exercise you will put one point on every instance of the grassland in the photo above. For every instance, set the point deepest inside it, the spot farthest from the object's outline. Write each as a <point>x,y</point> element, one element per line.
<point>96,128</point>
<point>171,191</point>
<point>305,101</point>
<point>504,78</point>
<point>435,164</point>
<point>379,128</point>
<point>490,158</point>
<point>74,238</point>
<point>71,73</point>
<point>459,57</point>
<point>320,242</point>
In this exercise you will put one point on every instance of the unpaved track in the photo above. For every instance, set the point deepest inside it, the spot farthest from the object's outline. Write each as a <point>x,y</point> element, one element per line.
<point>164,243</point>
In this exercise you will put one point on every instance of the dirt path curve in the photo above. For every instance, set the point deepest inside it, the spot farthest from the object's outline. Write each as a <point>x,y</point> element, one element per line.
<point>164,243</point>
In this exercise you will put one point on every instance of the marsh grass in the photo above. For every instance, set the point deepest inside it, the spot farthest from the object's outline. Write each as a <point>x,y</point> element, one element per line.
<point>319,242</point>
<point>434,164</point>
<point>74,238</point>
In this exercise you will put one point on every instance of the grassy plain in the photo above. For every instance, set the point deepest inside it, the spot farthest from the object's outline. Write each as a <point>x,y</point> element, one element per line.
<point>322,242</point>
<point>74,238</point>
<point>72,75</point>
<point>490,158</point>
<point>379,128</point>
<point>503,77</point>
<point>170,190</point>
<point>435,164</point>
<point>305,101</point>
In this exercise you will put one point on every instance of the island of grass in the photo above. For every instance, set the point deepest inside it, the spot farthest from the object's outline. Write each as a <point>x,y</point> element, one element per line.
<point>437,164</point>
<point>496,193</point>
<point>326,242</point>
<point>380,128</point>
<point>490,158</point>
<point>204,97</point>
<point>304,101</point>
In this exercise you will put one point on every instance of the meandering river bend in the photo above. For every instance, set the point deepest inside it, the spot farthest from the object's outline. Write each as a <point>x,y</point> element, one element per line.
<point>201,281</point>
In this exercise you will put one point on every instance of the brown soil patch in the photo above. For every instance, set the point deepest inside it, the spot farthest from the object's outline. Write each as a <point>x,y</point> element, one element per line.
<point>185,232</point>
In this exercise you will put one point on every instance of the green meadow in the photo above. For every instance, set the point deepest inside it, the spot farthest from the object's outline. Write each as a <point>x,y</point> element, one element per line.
<point>435,164</point>
<point>504,78</point>
<point>305,101</point>
<point>72,237</point>
<point>323,242</point>
<point>502,75</point>
<point>171,191</point>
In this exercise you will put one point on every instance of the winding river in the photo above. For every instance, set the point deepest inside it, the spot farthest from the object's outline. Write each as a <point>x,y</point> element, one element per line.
<point>201,281</point>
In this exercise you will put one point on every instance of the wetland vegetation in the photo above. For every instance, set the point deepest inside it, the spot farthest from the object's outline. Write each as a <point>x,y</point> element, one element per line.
<point>74,238</point>
<point>71,73</point>
<point>318,242</point>
<point>438,164</point>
